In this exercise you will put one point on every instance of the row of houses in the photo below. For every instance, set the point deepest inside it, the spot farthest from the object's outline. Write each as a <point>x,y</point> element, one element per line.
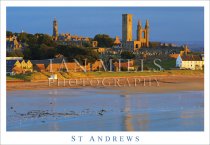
<point>192,62</point>
<point>19,66</point>
<point>27,66</point>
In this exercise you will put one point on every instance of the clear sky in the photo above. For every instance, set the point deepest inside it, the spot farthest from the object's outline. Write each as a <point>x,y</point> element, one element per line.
<point>166,23</point>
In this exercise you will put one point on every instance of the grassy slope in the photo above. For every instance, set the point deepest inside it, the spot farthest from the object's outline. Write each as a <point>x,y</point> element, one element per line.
<point>166,64</point>
<point>68,75</point>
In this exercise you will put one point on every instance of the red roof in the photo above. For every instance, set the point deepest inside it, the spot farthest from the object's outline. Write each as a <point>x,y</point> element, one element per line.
<point>124,64</point>
<point>191,58</point>
<point>40,66</point>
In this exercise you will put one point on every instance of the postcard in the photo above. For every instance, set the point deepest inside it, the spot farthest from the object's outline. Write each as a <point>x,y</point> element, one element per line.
<point>108,73</point>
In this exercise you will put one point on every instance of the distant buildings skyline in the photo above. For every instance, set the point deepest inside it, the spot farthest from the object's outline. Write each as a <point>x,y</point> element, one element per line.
<point>168,24</point>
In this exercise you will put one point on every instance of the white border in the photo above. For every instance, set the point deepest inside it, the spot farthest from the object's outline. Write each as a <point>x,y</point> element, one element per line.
<point>65,137</point>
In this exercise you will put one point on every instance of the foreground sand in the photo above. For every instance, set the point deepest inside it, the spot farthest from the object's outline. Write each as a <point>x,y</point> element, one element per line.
<point>95,109</point>
<point>175,104</point>
<point>165,84</point>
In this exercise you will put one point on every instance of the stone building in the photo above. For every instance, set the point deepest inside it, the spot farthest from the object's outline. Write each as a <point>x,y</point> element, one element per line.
<point>19,66</point>
<point>124,66</point>
<point>69,39</point>
<point>117,42</point>
<point>94,43</point>
<point>193,62</point>
<point>142,39</point>
<point>55,29</point>
<point>143,34</point>
<point>12,44</point>
<point>127,27</point>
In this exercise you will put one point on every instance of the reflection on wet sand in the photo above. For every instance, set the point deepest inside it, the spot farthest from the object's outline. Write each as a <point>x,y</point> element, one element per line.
<point>140,119</point>
<point>92,110</point>
<point>127,117</point>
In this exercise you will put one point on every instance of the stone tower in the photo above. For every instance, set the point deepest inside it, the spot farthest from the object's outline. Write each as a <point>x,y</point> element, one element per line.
<point>139,31</point>
<point>127,27</point>
<point>143,34</point>
<point>55,29</point>
<point>147,33</point>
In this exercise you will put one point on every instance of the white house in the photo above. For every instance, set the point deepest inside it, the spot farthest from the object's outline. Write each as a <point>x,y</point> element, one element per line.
<point>193,62</point>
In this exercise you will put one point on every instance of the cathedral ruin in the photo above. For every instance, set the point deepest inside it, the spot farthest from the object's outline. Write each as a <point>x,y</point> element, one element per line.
<point>142,39</point>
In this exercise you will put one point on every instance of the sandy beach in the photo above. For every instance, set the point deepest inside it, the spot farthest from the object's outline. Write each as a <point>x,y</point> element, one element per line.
<point>175,103</point>
<point>152,84</point>
<point>95,109</point>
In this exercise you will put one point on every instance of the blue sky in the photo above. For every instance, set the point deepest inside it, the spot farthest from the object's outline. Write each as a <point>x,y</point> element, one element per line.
<point>166,23</point>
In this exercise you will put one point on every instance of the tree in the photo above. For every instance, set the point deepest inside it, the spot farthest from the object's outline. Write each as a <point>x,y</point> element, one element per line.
<point>32,39</point>
<point>104,40</point>
<point>23,37</point>
<point>11,54</point>
<point>86,44</point>
<point>45,39</point>
<point>35,52</point>
<point>127,55</point>
<point>47,51</point>
<point>37,46</point>
<point>78,53</point>
<point>16,53</point>
<point>9,33</point>
<point>40,46</point>
<point>27,53</point>
<point>19,53</point>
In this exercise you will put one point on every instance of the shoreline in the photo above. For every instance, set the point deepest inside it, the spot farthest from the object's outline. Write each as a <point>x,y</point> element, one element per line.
<point>128,84</point>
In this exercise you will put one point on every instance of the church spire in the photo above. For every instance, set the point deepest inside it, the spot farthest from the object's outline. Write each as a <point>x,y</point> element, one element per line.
<point>139,23</point>
<point>139,31</point>
<point>147,24</point>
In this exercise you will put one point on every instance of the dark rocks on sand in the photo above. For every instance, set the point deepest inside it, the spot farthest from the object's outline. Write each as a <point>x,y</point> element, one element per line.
<point>101,112</point>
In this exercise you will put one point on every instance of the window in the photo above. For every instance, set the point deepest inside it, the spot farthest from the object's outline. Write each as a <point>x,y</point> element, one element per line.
<point>137,46</point>
<point>143,34</point>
